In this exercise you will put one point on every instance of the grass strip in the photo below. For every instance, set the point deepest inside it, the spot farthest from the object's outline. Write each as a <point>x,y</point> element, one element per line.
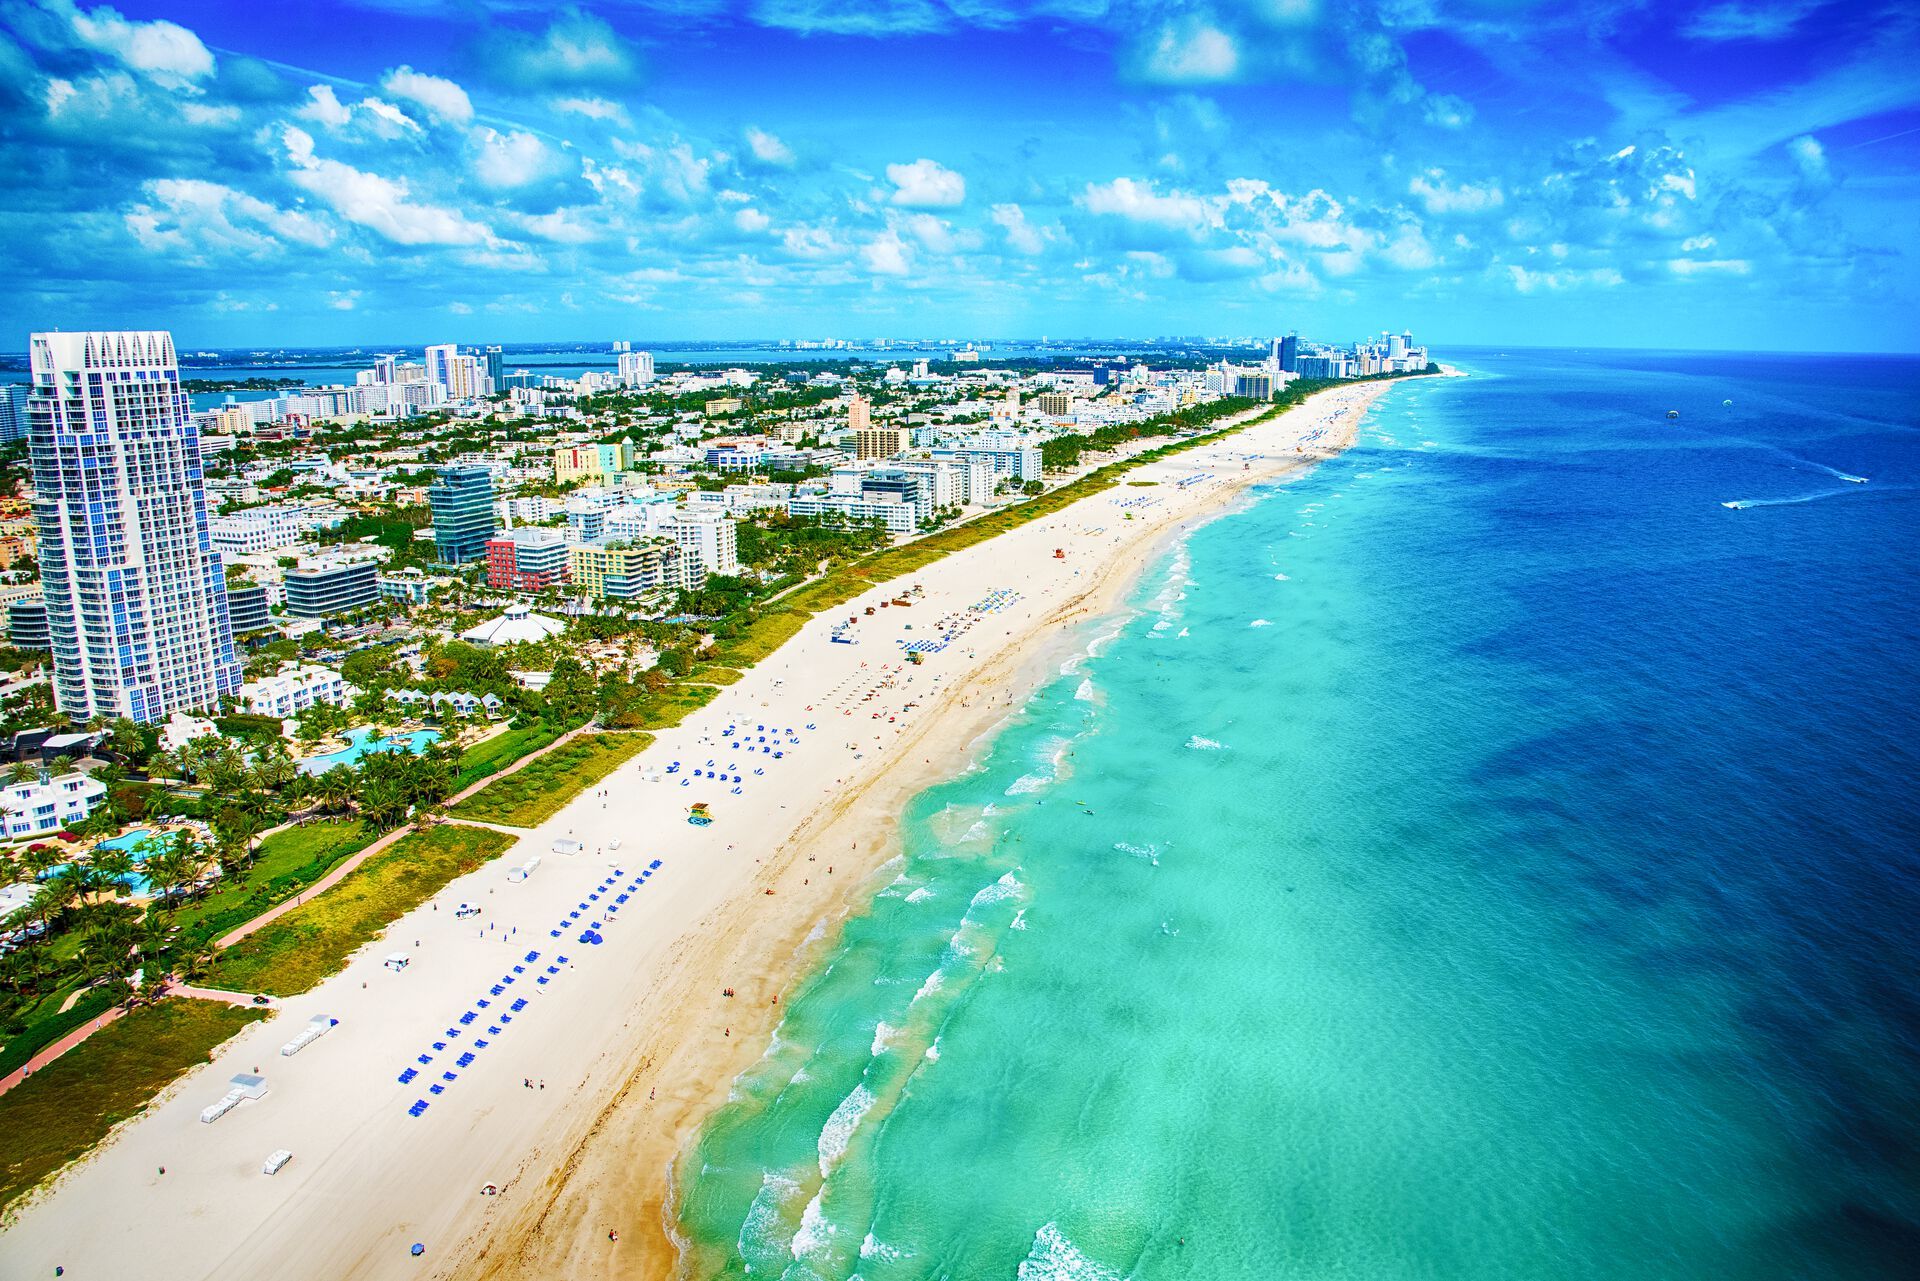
<point>44,1032</point>
<point>61,1111</point>
<point>535,793</point>
<point>315,939</point>
<point>284,864</point>
<point>483,760</point>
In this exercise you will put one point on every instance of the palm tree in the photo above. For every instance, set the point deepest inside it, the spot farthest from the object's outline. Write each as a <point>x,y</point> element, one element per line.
<point>60,765</point>
<point>23,772</point>
<point>113,869</point>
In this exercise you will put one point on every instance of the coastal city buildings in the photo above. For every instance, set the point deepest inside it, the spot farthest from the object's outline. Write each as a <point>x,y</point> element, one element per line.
<point>463,518</point>
<point>328,585</point>
<point>136,603</point>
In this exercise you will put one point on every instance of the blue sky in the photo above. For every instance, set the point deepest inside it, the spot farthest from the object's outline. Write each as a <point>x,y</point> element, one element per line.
<point>1707,174</point>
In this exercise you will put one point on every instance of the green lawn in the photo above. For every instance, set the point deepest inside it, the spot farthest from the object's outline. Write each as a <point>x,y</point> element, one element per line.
<point>502,750</point>
<point>530,796</point>
<point>61,1111</point>
<point>315,939</point>
<point>285,863</point>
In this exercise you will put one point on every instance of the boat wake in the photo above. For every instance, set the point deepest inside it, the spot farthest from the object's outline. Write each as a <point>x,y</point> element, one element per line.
<point>1742,504</point>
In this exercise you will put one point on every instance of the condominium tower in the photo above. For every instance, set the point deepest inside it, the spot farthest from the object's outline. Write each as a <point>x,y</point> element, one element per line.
<point>463,515</point>
<point>136,597</point>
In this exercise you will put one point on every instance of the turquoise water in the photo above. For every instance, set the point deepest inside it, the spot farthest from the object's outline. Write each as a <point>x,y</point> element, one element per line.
<point>135,843</point>
<point>1487,857</point>
<point>361,741</point>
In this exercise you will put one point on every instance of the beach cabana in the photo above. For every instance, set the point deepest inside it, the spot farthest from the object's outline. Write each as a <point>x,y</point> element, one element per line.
<point>396,961</point>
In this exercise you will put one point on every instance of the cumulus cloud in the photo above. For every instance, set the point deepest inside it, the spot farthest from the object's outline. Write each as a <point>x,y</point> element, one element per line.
<point>1190,51</point>
<point>1439,196</point>
<point>926,184</point>
<point>164,52</point>
<point>577,51</point>
<point>767,148</point>
<point>383,205</point>
<point>512,159</point>
<point>887,255</point>
<point>194,217</point>
<point>439,97</point>
<point>1139,202</point>
<point>1021,234</point>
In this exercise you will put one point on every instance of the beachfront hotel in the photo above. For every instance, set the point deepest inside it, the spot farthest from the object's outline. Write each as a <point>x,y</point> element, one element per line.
<point>136,602</point>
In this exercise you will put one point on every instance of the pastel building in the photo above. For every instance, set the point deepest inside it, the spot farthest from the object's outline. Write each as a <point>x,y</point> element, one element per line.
<point>136,597</point>
<point>616,569</point>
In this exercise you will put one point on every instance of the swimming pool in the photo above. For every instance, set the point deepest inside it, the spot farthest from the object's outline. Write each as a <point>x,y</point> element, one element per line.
<point>361,741</point>
<point>137,847</point>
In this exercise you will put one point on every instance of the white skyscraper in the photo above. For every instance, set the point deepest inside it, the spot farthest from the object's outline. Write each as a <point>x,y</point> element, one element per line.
<point>136,598</point>
<point>636,368</point>
<point>440,365</point>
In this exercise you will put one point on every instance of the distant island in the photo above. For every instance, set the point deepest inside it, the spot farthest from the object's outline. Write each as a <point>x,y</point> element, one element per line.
<point>240,384</point>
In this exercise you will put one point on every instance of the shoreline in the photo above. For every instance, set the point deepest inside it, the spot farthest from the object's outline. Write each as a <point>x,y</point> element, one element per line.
<point>636,1035</point>
<point>630,1171</point>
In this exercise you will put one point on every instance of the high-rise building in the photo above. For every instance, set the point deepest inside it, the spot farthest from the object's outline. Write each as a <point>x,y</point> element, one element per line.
<point>496,369</point>
<point>859,414</point>
<point>440,365</point>
<point>527,559</point>
<point>13,412</point>
<point>1290,354</point>
<point>463,517</point>
<point>383,369</point>
<point>636,368</point>
<point>136,598</point>
<point>881,442</point>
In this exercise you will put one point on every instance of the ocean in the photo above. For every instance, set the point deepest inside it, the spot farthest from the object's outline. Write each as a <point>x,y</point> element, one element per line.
<point>1488,856</point>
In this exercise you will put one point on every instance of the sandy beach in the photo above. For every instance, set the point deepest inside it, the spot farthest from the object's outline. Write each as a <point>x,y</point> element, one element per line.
<point>610,1053</point>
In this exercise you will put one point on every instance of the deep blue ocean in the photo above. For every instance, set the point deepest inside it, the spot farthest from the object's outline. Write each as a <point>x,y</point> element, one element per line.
<point>1489,856</point>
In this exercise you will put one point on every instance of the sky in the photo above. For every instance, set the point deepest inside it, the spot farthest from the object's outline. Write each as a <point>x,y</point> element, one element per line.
<point>1692,174</point>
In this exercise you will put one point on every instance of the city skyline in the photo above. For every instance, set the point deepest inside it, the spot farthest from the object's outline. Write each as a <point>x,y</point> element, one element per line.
<point>707,171</point>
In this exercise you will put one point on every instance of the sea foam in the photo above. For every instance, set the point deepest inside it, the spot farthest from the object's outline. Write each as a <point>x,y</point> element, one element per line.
<point>1055,1258</point>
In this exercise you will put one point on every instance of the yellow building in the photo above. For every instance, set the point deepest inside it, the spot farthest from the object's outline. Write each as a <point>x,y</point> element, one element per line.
<point>721,408</point>
<point>576,462</point>
<point>621,570</point>
<point>881,442</point>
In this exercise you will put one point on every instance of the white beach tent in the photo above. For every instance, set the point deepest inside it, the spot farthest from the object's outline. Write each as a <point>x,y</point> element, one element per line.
<point>526,869</point>
<point>396,961</point>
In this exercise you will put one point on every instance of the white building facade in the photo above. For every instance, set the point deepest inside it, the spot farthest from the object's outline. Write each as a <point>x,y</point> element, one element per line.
<point>136,597</point>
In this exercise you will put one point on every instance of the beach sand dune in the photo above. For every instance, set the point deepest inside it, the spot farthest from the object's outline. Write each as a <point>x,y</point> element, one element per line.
<point>575,1108</point>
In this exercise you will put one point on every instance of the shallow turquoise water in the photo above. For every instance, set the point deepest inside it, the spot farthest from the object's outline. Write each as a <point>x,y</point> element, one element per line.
<point>1487,857</point>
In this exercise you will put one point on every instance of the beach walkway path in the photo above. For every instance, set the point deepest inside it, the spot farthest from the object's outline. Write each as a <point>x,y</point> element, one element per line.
<point>278,910</point>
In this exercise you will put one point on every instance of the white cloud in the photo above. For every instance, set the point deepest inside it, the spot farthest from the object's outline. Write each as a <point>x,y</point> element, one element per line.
<point>1528,282</point>
<point>925,184</point>
<point>1440,197</point>
<point>1737,21</point>
<point>196,217</point>
<point>1191,51</point>
<point>164,52</point>
<point>324,107</point>
<point>1139,202</point>
<point>1810,156</point>
<point>1021,234</point>
<point>887,254</point>
<point>578,49</point>
<point>751,220</point>
<point>509,160</point>
<point>1709,266</point>
<point>381,204</point>
<point>343,300</point>
<point>593,109</point>
<point>767,148</point>
<point>440,97</point>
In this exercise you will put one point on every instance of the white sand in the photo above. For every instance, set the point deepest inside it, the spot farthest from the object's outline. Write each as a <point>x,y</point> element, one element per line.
<point>631,1038</point>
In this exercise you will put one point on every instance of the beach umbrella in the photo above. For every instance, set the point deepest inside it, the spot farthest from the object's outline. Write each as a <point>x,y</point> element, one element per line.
<point>417,1250</point>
